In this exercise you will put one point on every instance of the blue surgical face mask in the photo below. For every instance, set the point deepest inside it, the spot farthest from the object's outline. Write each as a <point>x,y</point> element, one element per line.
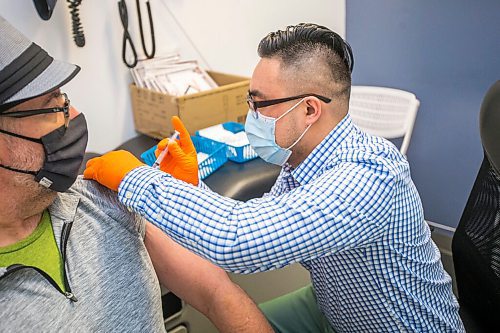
<point>261,135</point>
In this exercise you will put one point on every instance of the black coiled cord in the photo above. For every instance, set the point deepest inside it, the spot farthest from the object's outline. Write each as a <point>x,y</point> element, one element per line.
<point>78,35</point>
<point>127,39</point>
<point>151,54</point>
<point>122,9</point>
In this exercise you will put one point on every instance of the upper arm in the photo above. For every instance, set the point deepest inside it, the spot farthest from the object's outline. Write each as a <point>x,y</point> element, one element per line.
<point>346,207</point>
<point>203,285</point>
<point>187,275</point>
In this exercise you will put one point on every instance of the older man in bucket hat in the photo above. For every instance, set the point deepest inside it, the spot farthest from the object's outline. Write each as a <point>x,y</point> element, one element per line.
<point>59,269</point>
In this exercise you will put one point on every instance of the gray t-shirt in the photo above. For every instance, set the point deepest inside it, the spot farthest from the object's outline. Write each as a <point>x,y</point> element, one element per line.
<point>107,266</point>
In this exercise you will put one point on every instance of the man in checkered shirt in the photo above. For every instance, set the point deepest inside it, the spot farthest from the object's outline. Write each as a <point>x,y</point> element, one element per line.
<point>344,205</point>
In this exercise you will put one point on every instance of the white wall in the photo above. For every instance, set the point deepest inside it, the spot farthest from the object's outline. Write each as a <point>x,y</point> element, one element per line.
<point>223,35</point>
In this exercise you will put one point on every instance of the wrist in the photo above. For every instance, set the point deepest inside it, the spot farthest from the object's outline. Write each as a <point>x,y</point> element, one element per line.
<point>135,183</point>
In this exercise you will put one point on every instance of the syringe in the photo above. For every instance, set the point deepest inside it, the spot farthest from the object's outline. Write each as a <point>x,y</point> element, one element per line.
<point>162,155</point>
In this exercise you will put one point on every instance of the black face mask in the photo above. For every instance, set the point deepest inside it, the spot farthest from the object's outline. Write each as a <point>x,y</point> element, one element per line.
<point>64,151</point>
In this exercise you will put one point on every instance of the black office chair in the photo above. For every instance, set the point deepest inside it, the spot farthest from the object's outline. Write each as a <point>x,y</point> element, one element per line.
<point>476,243</point>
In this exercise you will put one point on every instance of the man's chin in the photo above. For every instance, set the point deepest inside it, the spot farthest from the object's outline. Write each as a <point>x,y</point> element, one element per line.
<point>37,192</point>
<point>45,194</point>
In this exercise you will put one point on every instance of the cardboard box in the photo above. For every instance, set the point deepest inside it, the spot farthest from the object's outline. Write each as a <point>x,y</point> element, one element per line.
<point>153,110</point>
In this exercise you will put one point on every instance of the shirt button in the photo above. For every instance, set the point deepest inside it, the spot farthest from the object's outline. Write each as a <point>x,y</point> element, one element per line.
<point>128,195</point>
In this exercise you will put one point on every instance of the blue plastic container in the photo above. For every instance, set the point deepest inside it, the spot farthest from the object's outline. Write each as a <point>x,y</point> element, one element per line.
<point>216,152</point>
<point>148,156</point>
<point>238,154</point>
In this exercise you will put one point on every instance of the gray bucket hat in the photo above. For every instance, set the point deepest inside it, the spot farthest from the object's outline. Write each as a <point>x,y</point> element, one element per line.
<point>26,70</point>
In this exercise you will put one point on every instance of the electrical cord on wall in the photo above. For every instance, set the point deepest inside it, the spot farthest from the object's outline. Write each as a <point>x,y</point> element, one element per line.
<point>186,34</point>
<point>122,9</point>
<point>151,29</point>
<point>78,35</point>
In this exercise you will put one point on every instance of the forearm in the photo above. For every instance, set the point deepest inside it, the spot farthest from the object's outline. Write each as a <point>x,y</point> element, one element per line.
<point>203,285</point>
<point>259,234</point>
<point>228,232</point>
<point>232,310</point>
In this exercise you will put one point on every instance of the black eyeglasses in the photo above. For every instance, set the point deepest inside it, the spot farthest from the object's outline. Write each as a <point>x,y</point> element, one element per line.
<point>254,105</point>
<point>35,112</point>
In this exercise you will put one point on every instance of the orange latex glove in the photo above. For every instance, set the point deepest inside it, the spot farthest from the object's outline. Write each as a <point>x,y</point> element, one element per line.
<point>181,160</point>
<point>110,168</point>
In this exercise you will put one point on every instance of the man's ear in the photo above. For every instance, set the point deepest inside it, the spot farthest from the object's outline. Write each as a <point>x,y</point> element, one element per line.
<point>313,107</point>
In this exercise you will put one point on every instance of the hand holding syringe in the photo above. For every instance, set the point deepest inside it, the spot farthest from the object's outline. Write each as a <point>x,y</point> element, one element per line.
<point>180,161</point>
<point>162,155</point>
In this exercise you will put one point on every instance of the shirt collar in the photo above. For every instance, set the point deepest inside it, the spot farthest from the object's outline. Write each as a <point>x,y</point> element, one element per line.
<point>65,206</point>
<point>315,161</point>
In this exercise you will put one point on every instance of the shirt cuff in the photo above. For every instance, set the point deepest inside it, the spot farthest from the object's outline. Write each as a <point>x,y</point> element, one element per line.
<point>135,183</point>
<point>203,186</point>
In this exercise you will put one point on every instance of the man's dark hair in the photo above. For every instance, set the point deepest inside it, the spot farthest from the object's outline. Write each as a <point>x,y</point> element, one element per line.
<point>307,42</point>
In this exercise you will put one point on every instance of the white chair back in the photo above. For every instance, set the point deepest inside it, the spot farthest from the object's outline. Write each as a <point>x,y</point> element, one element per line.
<point>386,112</point>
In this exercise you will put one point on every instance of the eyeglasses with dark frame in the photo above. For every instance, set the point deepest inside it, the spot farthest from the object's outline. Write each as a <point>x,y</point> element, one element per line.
<point>35,112</point>
<point>254,105</point>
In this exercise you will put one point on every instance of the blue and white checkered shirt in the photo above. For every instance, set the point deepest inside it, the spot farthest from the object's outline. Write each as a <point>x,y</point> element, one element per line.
<point>349,213</point>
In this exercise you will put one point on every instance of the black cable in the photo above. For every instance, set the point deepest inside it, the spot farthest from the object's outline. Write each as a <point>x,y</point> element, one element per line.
<point>78,35</point>
<point>122,9</point>
<point>151,28</point>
